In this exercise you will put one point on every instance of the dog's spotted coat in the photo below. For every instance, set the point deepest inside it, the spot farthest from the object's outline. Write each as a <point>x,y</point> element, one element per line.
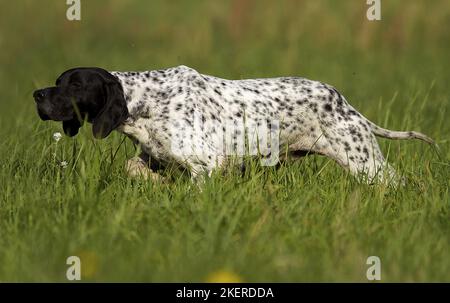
<point>314,117</point>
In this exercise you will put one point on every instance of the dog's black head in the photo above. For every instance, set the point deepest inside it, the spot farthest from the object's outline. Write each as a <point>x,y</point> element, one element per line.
<point>84,93</point>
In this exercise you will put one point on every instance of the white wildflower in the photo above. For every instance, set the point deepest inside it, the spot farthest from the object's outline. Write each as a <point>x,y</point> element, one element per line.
<point>63,164</point>
<point>57,136</point>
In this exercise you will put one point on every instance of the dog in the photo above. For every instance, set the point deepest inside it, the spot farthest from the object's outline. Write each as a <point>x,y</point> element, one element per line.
<point>180,115</point>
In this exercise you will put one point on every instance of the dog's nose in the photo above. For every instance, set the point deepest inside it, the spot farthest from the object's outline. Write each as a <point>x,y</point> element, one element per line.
<point>39,95</point>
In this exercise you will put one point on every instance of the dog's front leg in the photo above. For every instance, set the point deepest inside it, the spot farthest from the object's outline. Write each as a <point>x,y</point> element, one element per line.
<point>138,167</point>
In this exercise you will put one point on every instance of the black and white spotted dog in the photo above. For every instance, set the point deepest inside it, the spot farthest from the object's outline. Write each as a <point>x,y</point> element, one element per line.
<point>157,108</point>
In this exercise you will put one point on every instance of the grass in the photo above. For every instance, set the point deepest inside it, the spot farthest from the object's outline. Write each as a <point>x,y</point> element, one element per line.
<point>305,221</point>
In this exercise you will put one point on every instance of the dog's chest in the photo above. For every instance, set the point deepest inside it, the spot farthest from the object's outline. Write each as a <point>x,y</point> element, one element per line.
<point>147,134</point>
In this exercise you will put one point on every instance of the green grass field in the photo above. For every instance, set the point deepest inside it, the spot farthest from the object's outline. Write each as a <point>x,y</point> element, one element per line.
<point>305,221</point>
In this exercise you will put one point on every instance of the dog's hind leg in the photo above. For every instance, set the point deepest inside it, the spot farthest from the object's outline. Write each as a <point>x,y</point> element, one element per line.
<point>357,149</point>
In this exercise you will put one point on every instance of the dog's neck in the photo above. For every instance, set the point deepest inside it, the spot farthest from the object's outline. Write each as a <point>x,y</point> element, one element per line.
<point>138,86</point>
<point>146,93</point>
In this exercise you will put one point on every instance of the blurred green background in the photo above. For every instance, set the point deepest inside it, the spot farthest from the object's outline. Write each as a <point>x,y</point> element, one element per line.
<point>305,222</point>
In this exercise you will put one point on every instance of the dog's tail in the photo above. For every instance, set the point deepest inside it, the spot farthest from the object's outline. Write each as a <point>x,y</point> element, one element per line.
<point>391,134</point>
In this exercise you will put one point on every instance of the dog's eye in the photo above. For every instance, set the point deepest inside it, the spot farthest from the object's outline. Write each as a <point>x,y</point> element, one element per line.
<point>75,84</point>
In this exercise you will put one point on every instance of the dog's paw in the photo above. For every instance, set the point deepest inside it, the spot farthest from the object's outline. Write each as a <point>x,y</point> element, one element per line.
<point>138,168</point>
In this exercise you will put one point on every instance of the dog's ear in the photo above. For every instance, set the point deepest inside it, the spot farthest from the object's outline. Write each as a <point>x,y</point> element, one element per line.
<point>71,127</point>
<point>113,113</point>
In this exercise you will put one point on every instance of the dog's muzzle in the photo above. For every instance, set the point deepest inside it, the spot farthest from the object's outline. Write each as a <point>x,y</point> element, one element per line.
<point>39,97</point>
